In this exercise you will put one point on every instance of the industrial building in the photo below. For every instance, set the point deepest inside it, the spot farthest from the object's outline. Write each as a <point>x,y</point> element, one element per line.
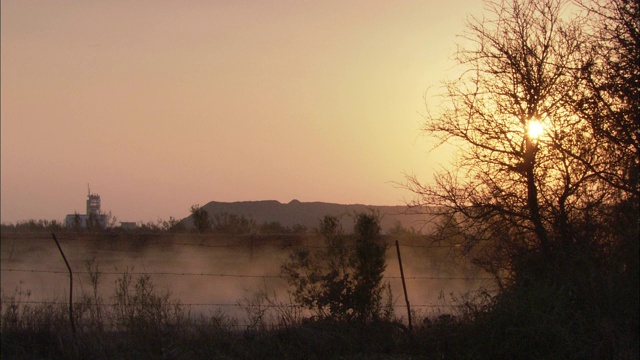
<point>93,217</point>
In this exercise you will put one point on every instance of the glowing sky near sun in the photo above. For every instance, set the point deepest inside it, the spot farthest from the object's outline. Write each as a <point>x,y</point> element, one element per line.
<point>160,105</point>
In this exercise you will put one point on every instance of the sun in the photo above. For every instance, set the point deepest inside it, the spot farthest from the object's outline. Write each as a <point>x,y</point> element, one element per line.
<point>534,129</point>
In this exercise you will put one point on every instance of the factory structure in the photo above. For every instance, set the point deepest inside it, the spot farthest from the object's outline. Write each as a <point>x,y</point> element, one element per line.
<point>93,217</point>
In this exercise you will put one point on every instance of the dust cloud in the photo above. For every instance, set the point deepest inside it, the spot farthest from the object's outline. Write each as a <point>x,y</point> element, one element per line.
<point>213,273</point>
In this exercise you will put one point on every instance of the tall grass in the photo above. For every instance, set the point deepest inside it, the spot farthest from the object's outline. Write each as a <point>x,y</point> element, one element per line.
<point>538,321</point>
<point>141,321</point>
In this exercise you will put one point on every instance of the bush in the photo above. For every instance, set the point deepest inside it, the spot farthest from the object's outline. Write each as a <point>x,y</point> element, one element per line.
<point>341,282</point>
<point>201,219</point>
<point>226,223</point>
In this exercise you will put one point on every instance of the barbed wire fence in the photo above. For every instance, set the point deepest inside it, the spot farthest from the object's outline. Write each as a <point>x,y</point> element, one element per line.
<point>162,240</point>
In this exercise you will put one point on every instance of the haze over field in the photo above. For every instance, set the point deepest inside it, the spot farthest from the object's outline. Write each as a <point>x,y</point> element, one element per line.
<point>212,273</point>
<point>163,105</point>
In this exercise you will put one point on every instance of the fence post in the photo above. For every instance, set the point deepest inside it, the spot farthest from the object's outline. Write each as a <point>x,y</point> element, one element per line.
<point>73,326</point>
<point>404,286</point>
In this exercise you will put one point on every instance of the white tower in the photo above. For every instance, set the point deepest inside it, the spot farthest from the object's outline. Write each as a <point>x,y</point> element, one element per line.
<point>93,203</point>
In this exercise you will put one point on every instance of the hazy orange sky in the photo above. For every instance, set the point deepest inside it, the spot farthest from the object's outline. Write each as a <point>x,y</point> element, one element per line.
<point>160,105</point>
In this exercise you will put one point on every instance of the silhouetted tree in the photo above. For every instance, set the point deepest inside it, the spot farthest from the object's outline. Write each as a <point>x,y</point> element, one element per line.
<point>273,227</point>
<point>399,230</point>
<point>609,96</point>
<point>201,219</point>
<point>93,222</point>
<point>369,264</point>
<point>171,225</point>
<point>341,282</point>
<point>226,223</point>
<point>512,191</point>
<point>546,211</point>
<point>77,222</point>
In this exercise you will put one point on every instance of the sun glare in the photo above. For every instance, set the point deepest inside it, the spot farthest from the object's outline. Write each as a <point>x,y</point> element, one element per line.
<point>534,129</point>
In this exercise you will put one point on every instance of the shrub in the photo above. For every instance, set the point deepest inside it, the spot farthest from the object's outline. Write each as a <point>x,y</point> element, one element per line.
<point>341,282</point>
<point>226,223</point>
<point>201,219</point>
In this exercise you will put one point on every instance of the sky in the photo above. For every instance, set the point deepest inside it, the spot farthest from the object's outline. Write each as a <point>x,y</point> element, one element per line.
<point>160,105</point>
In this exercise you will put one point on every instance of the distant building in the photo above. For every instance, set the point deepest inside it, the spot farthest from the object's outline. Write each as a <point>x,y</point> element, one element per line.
<point>93,217</point>
<point>93,204</point>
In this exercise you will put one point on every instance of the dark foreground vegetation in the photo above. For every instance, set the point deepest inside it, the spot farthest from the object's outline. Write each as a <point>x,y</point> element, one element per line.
<point>143,322</point>
<point>154,326</point>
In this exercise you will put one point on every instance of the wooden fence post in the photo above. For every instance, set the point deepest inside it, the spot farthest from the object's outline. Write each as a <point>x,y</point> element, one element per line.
<point>404,286</point>
<point>73,326</point>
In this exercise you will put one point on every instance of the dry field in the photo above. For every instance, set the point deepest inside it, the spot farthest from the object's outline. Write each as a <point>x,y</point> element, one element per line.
<point>213,273</point>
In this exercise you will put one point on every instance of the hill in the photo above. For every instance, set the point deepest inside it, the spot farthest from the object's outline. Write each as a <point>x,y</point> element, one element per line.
<point>310,213</point>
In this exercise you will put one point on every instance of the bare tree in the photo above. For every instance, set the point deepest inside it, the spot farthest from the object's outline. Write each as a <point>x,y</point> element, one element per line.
<point>526,179</point>
<point>544,192</point>
<point>609,99</point>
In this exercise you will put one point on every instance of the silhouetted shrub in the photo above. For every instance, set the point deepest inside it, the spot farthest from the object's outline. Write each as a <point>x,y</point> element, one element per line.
<point>201,219</point>
<point>342,281</point>
<point>226,223</point>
